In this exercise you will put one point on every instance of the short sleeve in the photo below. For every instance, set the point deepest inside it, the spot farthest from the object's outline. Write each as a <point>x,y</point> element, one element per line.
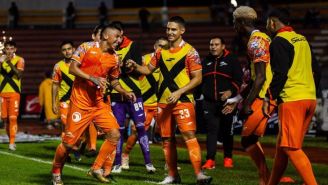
<point>21,64</point>
<point>56,74</point>
<point>155,58</point>
<point>193,60</point>
<point>259,50</point>
<point>80,52</point>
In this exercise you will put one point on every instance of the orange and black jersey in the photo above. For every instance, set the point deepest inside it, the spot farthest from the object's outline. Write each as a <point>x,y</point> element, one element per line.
<point>221,74</point>
<point>128,79</point>
<point>292,66</point>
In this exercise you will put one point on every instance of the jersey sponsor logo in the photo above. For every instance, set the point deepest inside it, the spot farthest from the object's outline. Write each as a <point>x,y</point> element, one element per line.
<point>210,63</point>
<point>298,39</point>
<point>76,117</point>
<point>223,63</point>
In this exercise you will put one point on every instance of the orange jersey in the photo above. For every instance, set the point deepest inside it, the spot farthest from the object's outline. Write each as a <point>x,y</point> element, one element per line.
<point>94,62</point>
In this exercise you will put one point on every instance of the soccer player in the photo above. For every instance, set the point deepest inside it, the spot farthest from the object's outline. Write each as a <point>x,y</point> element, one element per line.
<point>91,66</point>
<point>222,78</point>
<point>129,50</point>
<point>180,73</point>
<point>293,88</point>
<point>254,126</point>
<point>11,70</point>
<point>148,87</point>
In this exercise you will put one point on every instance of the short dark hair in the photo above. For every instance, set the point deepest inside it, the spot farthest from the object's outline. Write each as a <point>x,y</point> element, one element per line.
<point>179,20</point>
<point>10,43</point>
<point>110,26</point>
<point>118,25</point>
<point>221,39</point>
<point>97,29</point>
<point>282,14</point>
<point>66,42</point>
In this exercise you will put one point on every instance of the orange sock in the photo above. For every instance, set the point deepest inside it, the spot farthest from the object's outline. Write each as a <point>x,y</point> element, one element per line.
<point>109,163</point>
<point>194,154</point>
<point>170,153</point>
<point>132,139</point>
<point>59,159</point>
<point>12,129</point>
<point>256,153</point>
<point>105,151</point>
<point>279,166</point>
<point>302,165</point>
<point>92,142</point>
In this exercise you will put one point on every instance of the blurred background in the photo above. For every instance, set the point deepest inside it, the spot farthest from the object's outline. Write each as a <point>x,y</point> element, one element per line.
<point>39,26</point>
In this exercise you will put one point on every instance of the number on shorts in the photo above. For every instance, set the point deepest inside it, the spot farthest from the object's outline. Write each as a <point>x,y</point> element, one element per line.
<point>138,106</point>
<point>184,113</point>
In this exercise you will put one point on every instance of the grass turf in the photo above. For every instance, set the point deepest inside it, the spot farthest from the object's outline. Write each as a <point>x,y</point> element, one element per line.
<point>15,170</point>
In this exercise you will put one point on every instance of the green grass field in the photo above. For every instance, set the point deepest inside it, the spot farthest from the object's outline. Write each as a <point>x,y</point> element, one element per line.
<point>31,165</point>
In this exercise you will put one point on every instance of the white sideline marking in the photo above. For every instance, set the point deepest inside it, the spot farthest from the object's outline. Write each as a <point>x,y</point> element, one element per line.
<point>40,161</point>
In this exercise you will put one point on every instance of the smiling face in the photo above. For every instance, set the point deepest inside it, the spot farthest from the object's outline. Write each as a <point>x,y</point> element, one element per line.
<point>112,38</point>
<point>10,50</point>
<point>216,47</point>
<point>174,31</point>
<point>67,51</point>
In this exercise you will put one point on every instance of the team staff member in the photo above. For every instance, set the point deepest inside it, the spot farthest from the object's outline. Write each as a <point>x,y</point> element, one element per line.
<point>148,87</point>
<point>91,68</point>
<point>130,50</point>
<point>11,70</point>
<point>293,87</point>
<point>255,122</point>
<point>222,78</point>
<point>180,73</point>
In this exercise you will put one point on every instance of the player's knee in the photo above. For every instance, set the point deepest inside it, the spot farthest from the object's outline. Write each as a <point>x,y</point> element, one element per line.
<point>188,135</point>
<point>68,147</point>
<point>113,135</point>
<point>247,141</point>
<point>12,118</point>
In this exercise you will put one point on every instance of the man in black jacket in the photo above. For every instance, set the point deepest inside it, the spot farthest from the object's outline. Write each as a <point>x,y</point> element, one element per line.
<point>222,78</point>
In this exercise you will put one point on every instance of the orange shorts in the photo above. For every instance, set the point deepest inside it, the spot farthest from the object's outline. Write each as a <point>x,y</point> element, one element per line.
<point>184,116</point>
<point>9,104</point>
<point>150,113</point>
<point>294,120</point>
<point>63,109</point>
<point>256,123</point>
<point>78,120</point>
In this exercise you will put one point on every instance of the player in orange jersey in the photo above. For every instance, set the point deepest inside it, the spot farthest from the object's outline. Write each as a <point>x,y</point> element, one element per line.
<point>11,69</point>
<point>92,68</point>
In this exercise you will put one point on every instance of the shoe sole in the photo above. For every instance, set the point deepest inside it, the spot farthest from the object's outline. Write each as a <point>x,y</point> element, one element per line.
<point>90,174</point>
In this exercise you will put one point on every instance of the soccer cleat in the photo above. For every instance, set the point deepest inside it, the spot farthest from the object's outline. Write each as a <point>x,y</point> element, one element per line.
<point>203,179</point>
<point>111,179</point>
<point>56,179</point>
<point>150,168</point>
<point>117,169</point>
<point>12,147</point>
<point>209,164</point>
<point>228,162</point>
<point>98,174</point>
<point>287,180</point>
<point>171,180</point>
<point>125,162</point>
<point>91,153</point>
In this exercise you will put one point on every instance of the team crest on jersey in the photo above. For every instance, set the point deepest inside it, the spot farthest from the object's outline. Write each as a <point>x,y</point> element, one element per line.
<point>76,117</point>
